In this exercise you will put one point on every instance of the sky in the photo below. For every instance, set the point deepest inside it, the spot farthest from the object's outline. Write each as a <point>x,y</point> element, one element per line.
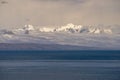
<point>59,12</point>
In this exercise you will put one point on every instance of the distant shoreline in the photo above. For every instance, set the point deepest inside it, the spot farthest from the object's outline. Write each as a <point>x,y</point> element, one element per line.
<point>51,47</point>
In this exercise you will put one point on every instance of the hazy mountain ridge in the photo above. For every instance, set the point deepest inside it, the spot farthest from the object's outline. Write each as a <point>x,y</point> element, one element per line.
<point>69,28</point>
<point>33,46</point>
<point>100,37</point>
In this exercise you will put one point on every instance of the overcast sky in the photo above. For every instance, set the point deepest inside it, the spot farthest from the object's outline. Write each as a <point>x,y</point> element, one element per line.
<point>59,12</point>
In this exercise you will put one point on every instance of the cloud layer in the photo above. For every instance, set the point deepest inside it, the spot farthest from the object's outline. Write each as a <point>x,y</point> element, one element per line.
<point>59,12</point>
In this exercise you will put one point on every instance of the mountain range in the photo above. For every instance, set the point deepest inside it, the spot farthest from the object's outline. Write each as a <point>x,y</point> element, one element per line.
<point>68,36</point>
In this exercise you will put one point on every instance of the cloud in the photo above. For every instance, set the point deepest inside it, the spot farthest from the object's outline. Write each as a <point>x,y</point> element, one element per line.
<point>3,2</point>
<point>59,12</point>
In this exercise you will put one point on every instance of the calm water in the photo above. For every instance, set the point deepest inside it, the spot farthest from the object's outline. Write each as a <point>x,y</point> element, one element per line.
<point>59,65</point>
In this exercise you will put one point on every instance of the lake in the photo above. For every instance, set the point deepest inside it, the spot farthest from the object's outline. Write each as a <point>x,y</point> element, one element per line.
<point>59,65</point>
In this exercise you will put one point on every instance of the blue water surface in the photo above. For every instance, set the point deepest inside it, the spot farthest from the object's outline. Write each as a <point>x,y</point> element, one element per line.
<point>59,65</point>
<point>60,55</point>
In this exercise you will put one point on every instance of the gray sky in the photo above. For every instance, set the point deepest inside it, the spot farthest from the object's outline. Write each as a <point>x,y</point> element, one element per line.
<point>59,12</point>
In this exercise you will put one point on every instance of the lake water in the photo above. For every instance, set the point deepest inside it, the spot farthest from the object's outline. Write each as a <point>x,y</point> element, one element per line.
<point>59,65</point>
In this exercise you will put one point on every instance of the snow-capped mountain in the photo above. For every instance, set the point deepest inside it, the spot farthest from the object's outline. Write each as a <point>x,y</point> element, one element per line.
<point>71,28</point>
<point>70,34</point>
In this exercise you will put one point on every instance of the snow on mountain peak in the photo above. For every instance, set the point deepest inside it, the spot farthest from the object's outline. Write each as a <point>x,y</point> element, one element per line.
<point>25,30</point>
<point>71,28</point>
<point>28,27</point>
<point>109,31</point>
<point>100,30</point>
<point>68,28</point>
<point>46,29</point>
